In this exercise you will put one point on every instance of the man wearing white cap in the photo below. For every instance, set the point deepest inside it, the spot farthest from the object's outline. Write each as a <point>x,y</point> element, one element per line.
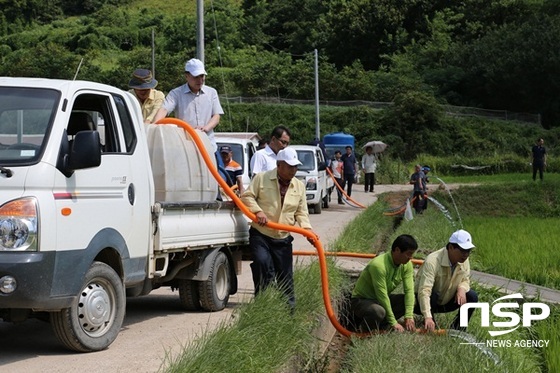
<point>443,281</point>
<point>276,196</point>
<point>194,102</point>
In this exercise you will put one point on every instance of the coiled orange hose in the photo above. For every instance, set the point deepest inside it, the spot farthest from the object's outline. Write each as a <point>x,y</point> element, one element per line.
<point>316,242</point>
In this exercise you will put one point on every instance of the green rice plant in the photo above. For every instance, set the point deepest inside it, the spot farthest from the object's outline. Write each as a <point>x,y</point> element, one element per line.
<point>426,353</point>
<point>524,249</point>
<point>460,165</point>
<point>524,178</point>
<point>548,330</point>
<point>264,335</point>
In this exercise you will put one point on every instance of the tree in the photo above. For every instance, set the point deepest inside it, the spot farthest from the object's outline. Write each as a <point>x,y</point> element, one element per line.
<point>413,117</point>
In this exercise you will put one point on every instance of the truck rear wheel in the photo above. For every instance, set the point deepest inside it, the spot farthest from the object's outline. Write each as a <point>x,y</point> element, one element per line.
<point>94,319</point>
<point>214,292</point>
<point>188,295</point>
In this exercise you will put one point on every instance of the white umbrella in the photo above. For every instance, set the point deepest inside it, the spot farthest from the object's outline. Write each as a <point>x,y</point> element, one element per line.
<point>377,146</point>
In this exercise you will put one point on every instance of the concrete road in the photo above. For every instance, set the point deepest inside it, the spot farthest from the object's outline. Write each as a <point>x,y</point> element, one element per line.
<point>155,327</point>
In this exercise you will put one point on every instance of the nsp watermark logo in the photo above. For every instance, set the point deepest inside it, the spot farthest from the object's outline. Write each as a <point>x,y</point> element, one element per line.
<point>499,309</point>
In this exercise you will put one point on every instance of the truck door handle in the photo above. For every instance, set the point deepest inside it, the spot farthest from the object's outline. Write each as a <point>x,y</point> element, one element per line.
<point>131,194</point>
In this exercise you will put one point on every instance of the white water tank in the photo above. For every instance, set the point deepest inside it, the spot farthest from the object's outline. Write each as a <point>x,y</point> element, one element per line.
<point>180,173</point>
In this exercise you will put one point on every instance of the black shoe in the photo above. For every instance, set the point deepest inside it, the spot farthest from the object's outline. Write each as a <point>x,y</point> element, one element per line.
<point>340,203</point>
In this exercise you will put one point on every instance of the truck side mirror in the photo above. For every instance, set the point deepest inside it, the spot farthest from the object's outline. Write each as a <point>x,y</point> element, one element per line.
<point>84,152</point>
<point>322,166</point>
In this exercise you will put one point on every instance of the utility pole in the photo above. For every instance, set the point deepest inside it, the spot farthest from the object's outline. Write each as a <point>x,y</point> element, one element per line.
<point>200,30</point>
<point>153,54</point>
<point>317,124</point>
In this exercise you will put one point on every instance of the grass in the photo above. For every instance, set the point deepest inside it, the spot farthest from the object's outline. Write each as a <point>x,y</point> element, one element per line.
<point>421,353</point>
<point>497,178</point>
<point>366,233</point>
<point>265,336</point>
<point>514,225</point>
<point>524,249</point>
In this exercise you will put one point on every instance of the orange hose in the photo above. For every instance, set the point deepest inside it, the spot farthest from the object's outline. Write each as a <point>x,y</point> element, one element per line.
<point>321,253</point>
<point>400,210</point>
<point>342,190</point>
<point>350,255</point>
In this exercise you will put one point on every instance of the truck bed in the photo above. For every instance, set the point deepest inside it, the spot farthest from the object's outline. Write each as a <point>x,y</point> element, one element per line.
<point>198,225</point>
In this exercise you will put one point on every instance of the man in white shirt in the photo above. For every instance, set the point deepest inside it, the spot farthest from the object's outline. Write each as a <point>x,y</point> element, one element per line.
<point>194,102</point>
<point>265,159</point>
<point>369,165</point>
<point>336,168</point>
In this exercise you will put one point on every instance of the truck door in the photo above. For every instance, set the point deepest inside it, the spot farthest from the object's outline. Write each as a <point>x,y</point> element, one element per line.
<point>108,205</point>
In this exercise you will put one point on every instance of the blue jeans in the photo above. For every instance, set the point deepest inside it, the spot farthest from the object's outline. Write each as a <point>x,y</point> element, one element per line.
<point>272,262</point>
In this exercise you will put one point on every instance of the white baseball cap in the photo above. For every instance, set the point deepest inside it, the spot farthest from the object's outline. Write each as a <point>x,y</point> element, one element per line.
<point>195,67</point>
<point>462,238</point>
<point>289,156</point>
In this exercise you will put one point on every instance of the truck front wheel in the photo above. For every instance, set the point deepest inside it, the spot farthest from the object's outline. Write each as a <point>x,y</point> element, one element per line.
<point>94,319</point>
<point>214,292</point>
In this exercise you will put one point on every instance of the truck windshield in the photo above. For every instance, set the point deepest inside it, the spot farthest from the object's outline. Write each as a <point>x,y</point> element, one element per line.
<point>25,117</point>
<point>307,158</point>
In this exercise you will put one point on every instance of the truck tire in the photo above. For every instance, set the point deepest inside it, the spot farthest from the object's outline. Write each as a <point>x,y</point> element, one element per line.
<point>214,292</point>
<point>317,207</point>
<point>188,295</point>
<point>94,319</point>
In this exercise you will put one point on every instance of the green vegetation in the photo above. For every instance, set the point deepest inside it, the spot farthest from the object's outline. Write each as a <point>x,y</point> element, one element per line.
<point>421,353</point>
<point>514,224</point>
<point>505,218</point>
<point>500,55</point>
<point>264,336</point>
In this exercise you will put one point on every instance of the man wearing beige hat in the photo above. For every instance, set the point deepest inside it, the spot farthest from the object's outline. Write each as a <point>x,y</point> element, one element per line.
<point>194,102</point>
<point>276,196</point>
<point>443,281</point>
<point>142,87</point>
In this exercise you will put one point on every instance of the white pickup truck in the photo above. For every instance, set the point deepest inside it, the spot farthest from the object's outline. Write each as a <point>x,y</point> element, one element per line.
<point>312,172</point>
<point>95,206</point>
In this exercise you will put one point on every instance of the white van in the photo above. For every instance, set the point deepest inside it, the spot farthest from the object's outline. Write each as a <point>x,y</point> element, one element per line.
<point>318,184</point>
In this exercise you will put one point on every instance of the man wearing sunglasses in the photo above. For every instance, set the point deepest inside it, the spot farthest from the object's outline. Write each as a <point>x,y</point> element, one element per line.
<point>265,159</point>
<point>443,282</point>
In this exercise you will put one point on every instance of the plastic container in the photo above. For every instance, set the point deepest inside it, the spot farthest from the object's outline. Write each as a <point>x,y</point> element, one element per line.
<point>337,141</point>
<point>180,173</point>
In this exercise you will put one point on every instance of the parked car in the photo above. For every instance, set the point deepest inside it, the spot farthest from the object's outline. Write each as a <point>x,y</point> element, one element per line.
<point>312,172</point>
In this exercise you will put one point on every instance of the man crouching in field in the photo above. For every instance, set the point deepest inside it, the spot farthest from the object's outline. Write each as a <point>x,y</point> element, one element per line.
<point>372,301</point>
<point>443,281</point>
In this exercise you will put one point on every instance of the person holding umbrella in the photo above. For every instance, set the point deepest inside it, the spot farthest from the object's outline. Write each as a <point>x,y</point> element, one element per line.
<point>369,165</point>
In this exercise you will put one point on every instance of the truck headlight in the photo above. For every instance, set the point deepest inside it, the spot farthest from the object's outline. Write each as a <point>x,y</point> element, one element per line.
<point>18,225</point>
<point>311,184</point>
